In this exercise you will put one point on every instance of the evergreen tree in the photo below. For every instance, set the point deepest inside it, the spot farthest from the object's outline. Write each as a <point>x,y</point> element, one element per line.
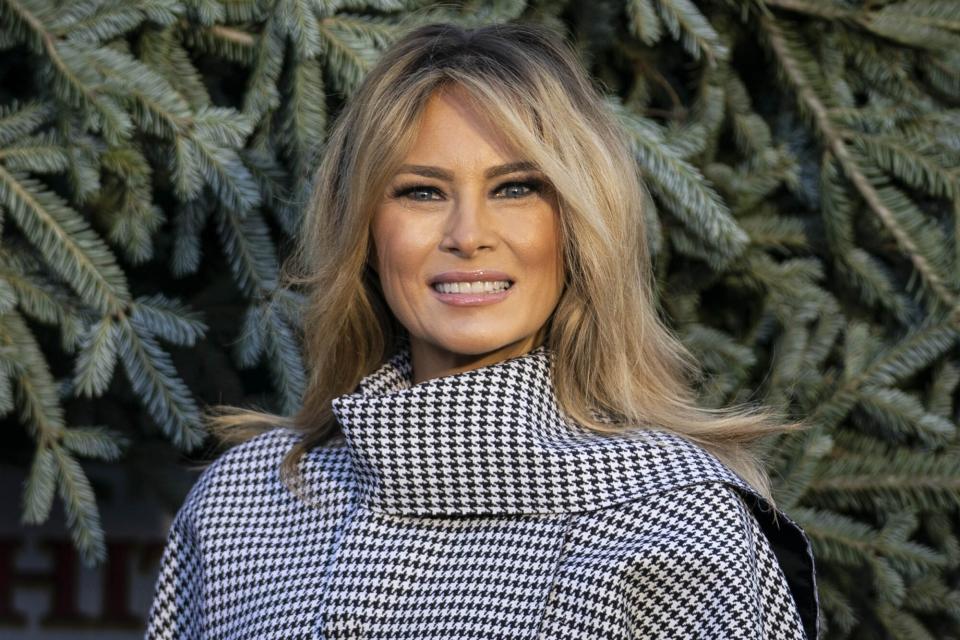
<point>802,158</point>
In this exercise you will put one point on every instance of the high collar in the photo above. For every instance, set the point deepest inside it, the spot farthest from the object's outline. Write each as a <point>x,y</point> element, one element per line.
<point>493,440</point>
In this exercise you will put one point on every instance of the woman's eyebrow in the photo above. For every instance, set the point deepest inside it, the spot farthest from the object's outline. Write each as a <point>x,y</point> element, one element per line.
<point>443,174</point>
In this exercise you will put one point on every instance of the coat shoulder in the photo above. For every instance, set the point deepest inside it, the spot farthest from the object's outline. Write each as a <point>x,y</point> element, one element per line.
<point>246,478</point>
<point>705,545</point>
<point>703,514</point>
<point>786,544</point>
<point>239,516</point>
<point>728,513</point>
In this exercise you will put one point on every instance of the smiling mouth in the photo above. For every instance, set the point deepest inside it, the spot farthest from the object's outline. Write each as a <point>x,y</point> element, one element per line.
<point>474,288</point>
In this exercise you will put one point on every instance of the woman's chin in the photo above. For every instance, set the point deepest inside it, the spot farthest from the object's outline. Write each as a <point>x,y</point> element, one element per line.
<point>475,345</point>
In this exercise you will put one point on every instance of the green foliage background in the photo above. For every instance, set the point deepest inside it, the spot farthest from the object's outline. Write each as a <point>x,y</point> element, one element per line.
<point>802,157</point>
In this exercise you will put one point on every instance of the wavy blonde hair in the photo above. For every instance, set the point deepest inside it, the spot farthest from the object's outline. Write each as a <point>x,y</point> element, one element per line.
<point>613,354</point>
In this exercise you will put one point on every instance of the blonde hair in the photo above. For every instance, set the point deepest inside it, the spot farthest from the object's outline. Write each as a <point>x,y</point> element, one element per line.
<point>617,366</point>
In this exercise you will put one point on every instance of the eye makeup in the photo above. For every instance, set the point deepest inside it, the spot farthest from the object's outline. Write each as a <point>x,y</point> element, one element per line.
<point>533,186</point>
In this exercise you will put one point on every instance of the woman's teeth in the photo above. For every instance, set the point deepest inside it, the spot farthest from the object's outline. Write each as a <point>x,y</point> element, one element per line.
<point>472,287</point>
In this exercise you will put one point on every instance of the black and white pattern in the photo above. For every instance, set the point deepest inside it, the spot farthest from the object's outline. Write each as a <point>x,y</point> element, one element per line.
<point>469,506</point>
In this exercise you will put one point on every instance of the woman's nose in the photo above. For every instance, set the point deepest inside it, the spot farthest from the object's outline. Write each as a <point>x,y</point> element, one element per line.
<point>469,227</point>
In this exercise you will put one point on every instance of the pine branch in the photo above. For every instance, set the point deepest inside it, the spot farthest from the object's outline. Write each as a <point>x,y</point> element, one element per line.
<point>942,71</point>
<point>349,46</point>
<point>8,369</point>
<point>40,296</point>
<point>40,487</point>
<point>702,126</point>
<point>223,41</point>
<point>153,377</point>
<point>874,282</point>
<point>917,163</point>
<point>83,518</point>
<point>798,465</point>
<point>296,20</point>
<point>644,23</point>
<point>189,223</point>
<point>683,186</point>
<point>840,150</point>
<point>840,539</point>
<point>94,442</point>
<point>728,360</point>
<point>84,150</point>
<point>926,24</point>
<point>206,12</point>
<point>687,244</point>
<point>769,230</point>
<point>788,357</point>
<point>882,68</point>
<point>273,180</point>
<point>751,132</point>
<point>262,94</point>
<point>829,10</point>
<point>248,347</point>
<point>245,11</point>
<point>867,363</point>
<point>944,382</point>
<point>902,414</point>
<point>685,23</point>
<point>927,594</point>
<point>20,120</point>
<point>97,358</point>
<point>65,70</point>
<point>40,154</point>
<point>901,624</point>
<point>169,319</point>
<point>164,53</point>
<point>901,478</point>
<point>37,395</point>
<point>66,241</point>
<point>156,107</point>
<point>101,21</point>
<point>921,23</point>
<point>838,606</point>
<point>829,326</point>
<point>303,115</point>
<point>217,134</point>
<point>913,352</point>
<point>52,466</point>
<point>250,252</point>
<point>872,279</point>
<point>131,216</point>
<point>792,284</point>
<point>284,360</point>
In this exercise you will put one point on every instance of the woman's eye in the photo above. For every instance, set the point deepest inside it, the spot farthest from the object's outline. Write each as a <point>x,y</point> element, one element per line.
<point>411,191</point>
<point>511,188</point>
<point>531,187</point>
<point>416,192</point>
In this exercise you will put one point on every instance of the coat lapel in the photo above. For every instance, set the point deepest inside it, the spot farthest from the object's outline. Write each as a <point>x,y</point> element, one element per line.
<point>493,440</point>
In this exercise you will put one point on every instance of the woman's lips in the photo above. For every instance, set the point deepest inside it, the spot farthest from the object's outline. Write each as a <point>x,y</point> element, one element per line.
<point>472,299</point>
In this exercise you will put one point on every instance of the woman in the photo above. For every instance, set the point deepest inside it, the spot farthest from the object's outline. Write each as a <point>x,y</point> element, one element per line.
<point>498,439</point>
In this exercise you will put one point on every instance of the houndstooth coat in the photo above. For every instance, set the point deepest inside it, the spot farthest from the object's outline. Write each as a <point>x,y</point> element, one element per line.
<point>467,506</point>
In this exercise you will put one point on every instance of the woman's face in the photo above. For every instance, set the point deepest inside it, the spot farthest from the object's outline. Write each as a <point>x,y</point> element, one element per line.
<point>455,216</point>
